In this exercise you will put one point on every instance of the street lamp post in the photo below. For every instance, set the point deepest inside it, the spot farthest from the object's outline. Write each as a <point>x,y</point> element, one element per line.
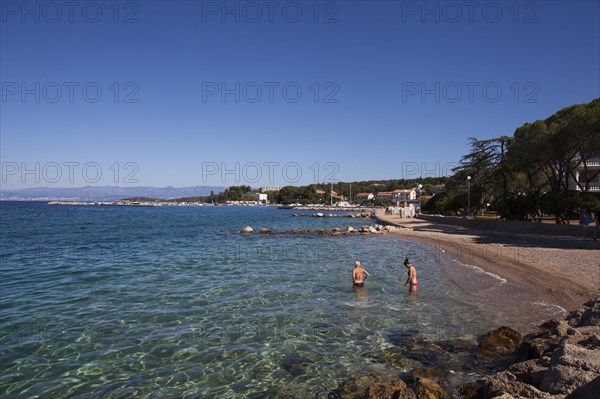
<point>420,186</point>
<point>468,195</point>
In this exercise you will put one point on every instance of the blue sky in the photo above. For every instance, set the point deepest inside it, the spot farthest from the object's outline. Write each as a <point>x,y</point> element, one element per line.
<point>207,93</point>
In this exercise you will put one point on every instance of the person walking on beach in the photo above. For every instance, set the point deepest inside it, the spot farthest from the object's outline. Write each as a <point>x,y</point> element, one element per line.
<point>597,229</point>
<point>412,277</point>
<point>359,275</point>
<point>584,221</point>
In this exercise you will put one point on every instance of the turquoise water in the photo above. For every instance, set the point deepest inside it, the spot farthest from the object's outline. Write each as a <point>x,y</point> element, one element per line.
<point>120,302</point>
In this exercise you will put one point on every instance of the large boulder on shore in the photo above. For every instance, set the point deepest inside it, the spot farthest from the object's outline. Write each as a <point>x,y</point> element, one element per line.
<point>530,371</point>
<point>575,356</point>
<point>247,229</point>
<point>588,316</point>
<point>499,384</point>
<point>571,367</point>
<point>562,360</point>
<point>562,380</point>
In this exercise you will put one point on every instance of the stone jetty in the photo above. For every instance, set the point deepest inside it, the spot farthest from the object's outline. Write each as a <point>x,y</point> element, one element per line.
<point>336,231</point>
<point>333,215</point>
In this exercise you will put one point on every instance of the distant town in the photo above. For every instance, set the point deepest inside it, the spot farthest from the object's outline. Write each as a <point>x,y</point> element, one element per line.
<point>315,196</point>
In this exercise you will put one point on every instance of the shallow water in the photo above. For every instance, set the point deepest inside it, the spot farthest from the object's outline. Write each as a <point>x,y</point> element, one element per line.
<point>157,302</point>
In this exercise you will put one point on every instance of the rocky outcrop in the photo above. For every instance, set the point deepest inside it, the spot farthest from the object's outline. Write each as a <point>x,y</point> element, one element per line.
<point>561,360</point>
<point>336,231</point>
<point>499,344</point>
<point>500,384</point>
<point>428,389</point>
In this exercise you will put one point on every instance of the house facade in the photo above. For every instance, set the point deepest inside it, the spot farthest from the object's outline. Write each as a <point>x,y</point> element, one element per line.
<point>384,195</point>
<point>405,194</point>
<point>364,197</point>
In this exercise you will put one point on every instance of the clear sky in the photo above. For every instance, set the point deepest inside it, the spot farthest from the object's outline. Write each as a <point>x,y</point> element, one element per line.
<point>184,93</point>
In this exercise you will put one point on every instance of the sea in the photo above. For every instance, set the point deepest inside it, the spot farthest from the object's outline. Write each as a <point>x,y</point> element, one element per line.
<point>160,302</point>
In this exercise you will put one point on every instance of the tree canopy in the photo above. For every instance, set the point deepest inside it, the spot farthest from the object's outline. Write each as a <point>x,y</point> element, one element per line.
<point>528,173</point>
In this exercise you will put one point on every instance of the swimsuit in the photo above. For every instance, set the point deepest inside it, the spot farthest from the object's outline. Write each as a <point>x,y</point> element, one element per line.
<point>416,285</point>
<point>359,284</point>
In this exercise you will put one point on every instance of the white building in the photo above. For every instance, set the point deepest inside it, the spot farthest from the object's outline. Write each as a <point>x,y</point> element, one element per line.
<point>592,178</point>
<point>267,189</point>
<point>408,199</point>
<point>258,197</point>
<point>404,194</point>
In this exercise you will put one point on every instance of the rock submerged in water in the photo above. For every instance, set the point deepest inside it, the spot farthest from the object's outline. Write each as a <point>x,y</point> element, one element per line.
<point>394,389</point>
<point>296,365</point>
<point>426,388</point>
<point>381,384</point>
<point>264,231</point>
<point>247,229</point>
<point>499,343</point>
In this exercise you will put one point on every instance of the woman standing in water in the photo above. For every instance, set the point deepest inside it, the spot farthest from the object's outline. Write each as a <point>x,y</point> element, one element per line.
<point>412,277</point>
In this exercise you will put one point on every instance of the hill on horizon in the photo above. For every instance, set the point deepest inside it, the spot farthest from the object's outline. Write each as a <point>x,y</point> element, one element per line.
<point>103,193</point>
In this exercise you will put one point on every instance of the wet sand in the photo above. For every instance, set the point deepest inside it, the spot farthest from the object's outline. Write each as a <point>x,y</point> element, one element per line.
<point>560,270</point>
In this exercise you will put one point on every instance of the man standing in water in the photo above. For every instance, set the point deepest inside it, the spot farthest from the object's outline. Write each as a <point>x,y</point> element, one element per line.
<point>412,277</point>
<point>359,275</point>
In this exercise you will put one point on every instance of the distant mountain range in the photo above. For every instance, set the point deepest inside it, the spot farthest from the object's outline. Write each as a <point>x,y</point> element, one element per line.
<point>103,193</point>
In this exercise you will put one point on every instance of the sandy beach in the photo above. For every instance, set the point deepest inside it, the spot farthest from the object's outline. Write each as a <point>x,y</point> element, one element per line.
<point>560,270</point>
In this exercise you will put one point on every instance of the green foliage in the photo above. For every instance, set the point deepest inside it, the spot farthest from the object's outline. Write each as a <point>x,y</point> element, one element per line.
<point>565,205</point>
<point>234,193</point>
<point>521,208</point>
<point>446,203</point>
<point>304,195</point>
<point>513,173</point>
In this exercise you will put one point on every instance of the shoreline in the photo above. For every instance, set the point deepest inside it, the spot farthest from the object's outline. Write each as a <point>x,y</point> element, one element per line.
<point>567,277</point>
